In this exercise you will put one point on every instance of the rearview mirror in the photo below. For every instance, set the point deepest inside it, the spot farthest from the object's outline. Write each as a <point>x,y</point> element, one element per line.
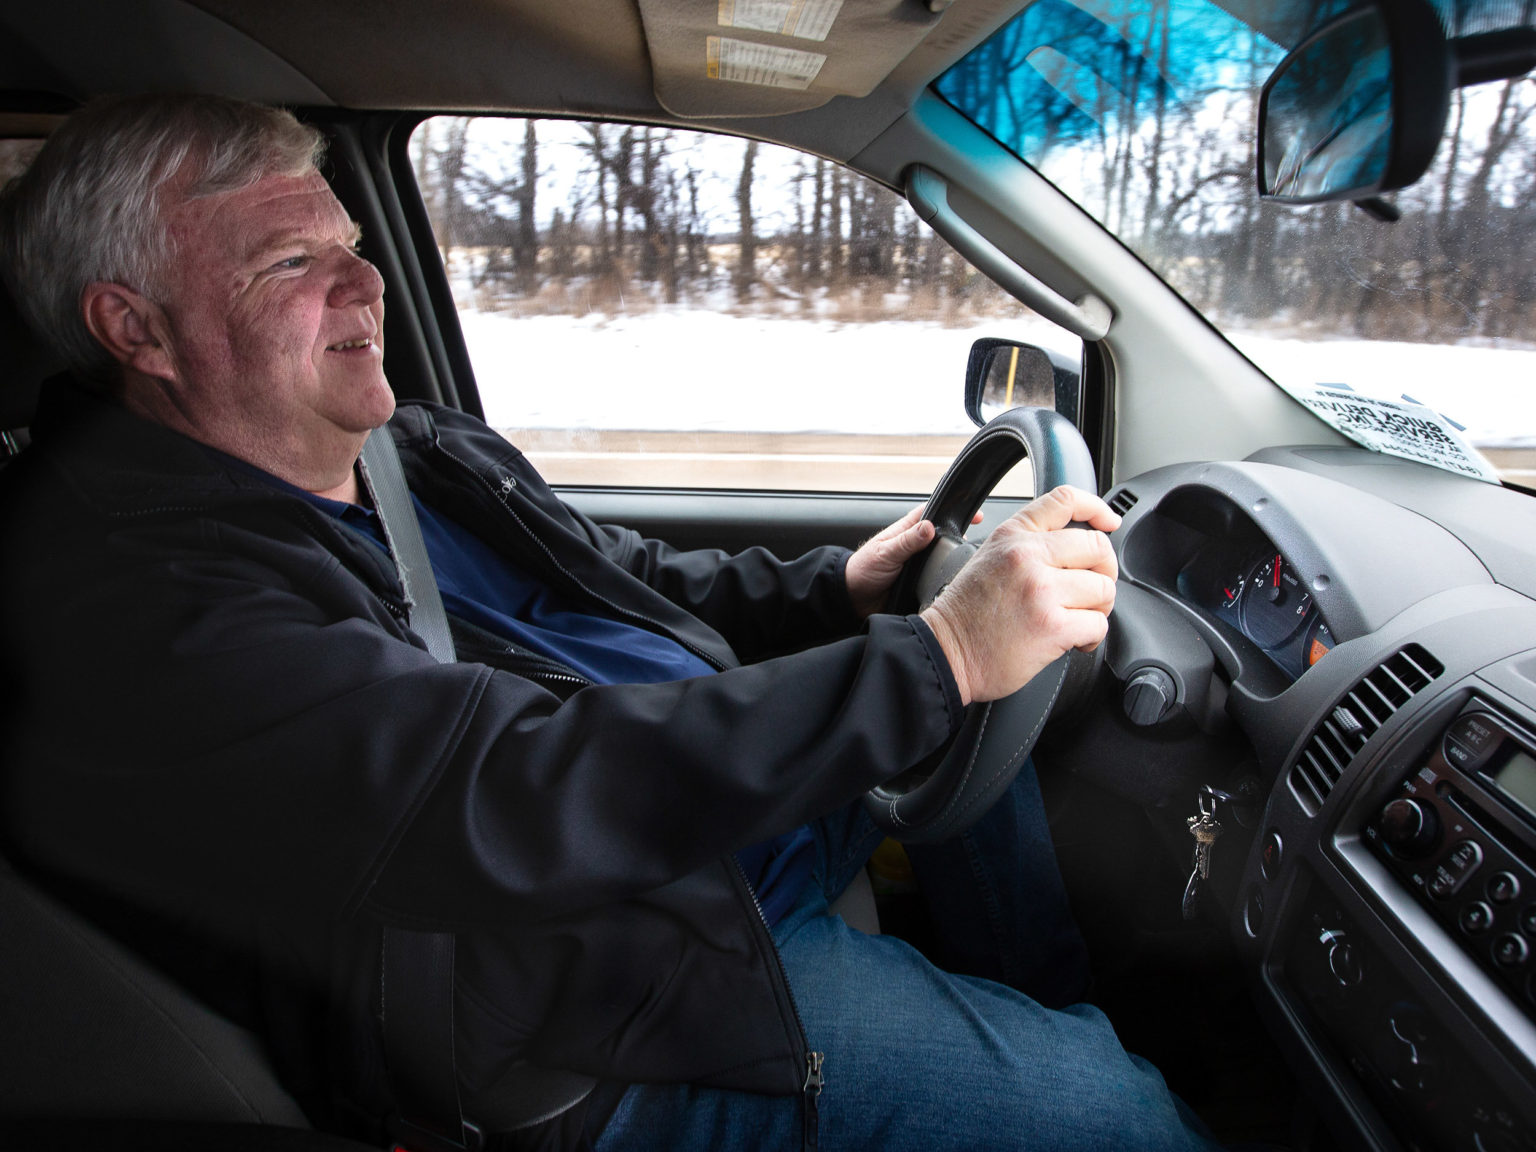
<point>1004,374</point>
<point>1336,123</point>
<point>1358,107</point>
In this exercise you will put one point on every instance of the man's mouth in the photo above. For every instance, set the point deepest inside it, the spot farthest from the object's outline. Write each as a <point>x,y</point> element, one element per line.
<point>352,345</point>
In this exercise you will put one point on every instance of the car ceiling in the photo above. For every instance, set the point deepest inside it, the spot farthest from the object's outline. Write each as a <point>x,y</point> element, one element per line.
<point>576,57</point>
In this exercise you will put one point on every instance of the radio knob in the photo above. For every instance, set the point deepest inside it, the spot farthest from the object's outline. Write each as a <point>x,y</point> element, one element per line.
<point>1409,827</point>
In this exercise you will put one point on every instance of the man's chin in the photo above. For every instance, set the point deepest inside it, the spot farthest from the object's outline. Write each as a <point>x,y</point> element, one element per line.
<point>376,406</point>
<point>386,409</point>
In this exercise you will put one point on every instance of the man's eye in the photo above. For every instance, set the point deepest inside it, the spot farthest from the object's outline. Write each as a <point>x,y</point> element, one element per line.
<point>291,263</point>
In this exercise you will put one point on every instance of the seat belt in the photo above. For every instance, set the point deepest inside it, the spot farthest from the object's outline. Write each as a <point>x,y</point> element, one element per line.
<point>417,967</point>
<point>385,480</point>
<point>416,992</point>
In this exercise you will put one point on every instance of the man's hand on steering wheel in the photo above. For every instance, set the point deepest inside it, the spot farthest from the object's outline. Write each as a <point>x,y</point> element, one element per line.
<point>1033,591</point>
<point>873,569</point>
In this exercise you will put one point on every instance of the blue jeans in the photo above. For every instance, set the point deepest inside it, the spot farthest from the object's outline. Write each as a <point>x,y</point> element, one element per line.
<point>922,1059</point>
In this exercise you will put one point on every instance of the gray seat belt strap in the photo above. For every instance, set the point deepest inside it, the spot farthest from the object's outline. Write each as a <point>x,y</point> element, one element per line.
<point>385,480</point>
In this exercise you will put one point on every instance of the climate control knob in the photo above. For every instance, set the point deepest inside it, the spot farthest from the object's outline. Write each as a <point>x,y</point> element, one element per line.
<point>1409,827</point>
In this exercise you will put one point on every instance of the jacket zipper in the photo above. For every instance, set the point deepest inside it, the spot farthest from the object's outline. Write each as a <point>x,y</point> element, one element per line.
<point>651,625</point>
<point>546,670</point>
<point>815,1078</point>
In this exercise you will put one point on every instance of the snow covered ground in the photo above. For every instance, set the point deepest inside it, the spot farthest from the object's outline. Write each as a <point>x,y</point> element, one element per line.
<point>711,371</point>
<point>1489,391</point>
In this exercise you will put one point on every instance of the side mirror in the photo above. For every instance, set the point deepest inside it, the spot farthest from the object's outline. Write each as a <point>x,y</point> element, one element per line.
<point>1003,374</point>
<point>1358,107</point>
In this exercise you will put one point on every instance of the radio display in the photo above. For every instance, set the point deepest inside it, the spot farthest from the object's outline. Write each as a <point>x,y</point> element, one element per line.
<point>1517,779</point>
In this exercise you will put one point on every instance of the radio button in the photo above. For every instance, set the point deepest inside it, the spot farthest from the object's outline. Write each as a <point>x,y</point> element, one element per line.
<point>1469,741</point>
<point>1460,755</point>
<point>1528,920</point>
<point>1465,857</point>
<point>1475,918</point>
<point>1510,951</point>
<point>1503,887</point>
<point>1460,863</point>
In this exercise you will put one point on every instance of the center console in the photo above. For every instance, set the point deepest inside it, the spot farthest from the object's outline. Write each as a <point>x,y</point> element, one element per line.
<point>1461,836</point>
<point>1404,945</point>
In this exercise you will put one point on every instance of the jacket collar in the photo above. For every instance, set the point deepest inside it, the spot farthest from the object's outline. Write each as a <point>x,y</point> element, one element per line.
<point>124,464</point>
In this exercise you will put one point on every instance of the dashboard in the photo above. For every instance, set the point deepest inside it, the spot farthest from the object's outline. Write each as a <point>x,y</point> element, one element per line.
<point>1361,634</point>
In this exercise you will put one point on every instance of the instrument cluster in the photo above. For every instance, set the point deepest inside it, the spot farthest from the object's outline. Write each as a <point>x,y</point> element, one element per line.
<point>1252,587</point>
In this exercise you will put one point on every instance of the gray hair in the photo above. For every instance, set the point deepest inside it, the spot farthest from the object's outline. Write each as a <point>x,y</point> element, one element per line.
<point>90,206</point>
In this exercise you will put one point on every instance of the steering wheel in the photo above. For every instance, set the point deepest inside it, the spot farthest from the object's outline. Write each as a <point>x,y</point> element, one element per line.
<point>934,801</point>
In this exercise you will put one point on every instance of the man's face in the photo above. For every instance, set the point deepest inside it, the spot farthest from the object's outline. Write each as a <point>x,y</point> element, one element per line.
<point>275,327</point>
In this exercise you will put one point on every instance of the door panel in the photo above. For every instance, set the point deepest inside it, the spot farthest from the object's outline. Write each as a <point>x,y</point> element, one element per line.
<point>786,524</point>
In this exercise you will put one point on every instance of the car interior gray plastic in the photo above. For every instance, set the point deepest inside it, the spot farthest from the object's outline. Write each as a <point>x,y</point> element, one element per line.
<point>1498,524</point>
<point>193,51</point>
<point>1088,316</point>
<point>1149,632</point>
<point>1334,536</point>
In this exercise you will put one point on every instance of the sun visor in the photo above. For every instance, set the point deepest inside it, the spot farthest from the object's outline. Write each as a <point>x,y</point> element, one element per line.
<point>720,58</point>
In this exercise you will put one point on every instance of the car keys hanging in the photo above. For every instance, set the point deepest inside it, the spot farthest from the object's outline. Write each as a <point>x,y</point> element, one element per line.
<point>1205,828</point>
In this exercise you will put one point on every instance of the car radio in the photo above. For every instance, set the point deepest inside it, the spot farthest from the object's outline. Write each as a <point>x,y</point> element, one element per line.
<point>1461,834</point>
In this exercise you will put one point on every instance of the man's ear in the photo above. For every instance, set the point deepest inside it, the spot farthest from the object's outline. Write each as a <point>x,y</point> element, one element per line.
<point>129,327</point>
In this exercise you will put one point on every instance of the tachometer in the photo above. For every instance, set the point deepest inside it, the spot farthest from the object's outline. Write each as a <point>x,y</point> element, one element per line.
<point>1275,603</point>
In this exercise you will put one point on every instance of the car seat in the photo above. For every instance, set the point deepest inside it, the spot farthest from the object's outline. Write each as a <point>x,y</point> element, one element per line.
<point>97,1048</point>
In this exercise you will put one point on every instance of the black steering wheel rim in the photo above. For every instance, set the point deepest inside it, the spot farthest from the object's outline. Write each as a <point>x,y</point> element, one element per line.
<point>945,795</point>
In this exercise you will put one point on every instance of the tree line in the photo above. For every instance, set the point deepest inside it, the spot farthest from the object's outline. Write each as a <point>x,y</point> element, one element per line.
<point>642,216</point>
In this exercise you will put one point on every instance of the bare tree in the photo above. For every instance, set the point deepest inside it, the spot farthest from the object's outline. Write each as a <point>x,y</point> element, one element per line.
<point>746,253</point>
<point>525,251</point>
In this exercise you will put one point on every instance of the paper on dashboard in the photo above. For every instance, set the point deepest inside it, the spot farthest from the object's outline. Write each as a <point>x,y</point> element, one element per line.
<point>1397,427</point>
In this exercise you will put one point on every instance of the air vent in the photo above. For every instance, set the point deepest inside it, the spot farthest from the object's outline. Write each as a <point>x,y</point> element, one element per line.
<point>1355,719</point>
<point>1123,501</point>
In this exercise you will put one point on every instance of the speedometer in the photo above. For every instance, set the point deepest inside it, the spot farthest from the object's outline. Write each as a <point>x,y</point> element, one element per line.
<point>1275,602</point>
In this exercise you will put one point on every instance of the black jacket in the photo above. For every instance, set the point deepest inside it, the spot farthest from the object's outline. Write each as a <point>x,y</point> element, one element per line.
<point>220,726</point>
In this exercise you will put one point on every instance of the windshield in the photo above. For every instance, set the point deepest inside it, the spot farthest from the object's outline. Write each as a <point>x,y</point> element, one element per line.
<point>1144,112</point>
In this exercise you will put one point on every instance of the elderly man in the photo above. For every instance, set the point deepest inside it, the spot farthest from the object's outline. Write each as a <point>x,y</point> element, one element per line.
<point>624,801</point>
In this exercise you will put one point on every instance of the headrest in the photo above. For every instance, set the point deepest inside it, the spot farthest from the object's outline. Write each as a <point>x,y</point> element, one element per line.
<point>25,362</point>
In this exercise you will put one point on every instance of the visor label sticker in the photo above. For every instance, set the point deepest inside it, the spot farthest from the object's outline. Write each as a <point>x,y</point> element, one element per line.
<point>1395,427</point>
<point>748,63</point>
<point>805,19</point>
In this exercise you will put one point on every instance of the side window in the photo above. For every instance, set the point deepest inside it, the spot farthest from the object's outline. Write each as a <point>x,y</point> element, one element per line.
<point>650,307</point>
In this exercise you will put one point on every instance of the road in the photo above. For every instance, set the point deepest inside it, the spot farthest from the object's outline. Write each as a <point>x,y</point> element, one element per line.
<point>799,461</point>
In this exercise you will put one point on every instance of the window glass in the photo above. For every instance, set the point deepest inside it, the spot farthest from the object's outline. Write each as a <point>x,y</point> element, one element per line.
<point>1145,113</point>
<point>677,309</point>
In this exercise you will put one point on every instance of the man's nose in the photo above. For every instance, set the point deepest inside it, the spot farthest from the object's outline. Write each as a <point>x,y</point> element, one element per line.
<point>357,281</point>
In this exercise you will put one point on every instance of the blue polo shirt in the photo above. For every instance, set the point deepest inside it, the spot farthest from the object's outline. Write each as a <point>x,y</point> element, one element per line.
<point>481,585</point>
